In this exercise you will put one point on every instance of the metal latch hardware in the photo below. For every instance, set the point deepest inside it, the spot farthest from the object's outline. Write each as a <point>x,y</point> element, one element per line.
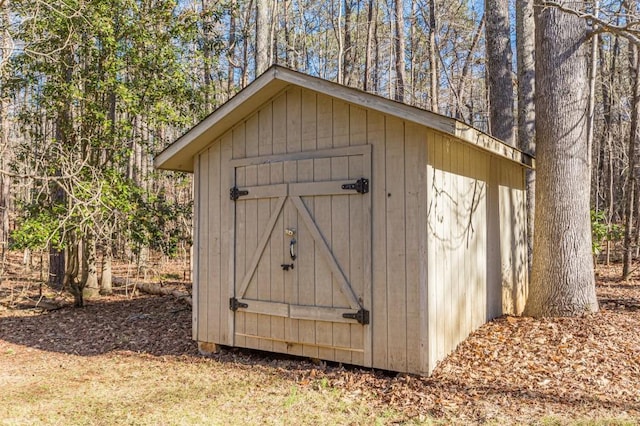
<point>361,186</point>
<point>234,304</point>
<point>235,193</point>
<point>362,316</point>
<point>292,250</point>
<point>286,266</point>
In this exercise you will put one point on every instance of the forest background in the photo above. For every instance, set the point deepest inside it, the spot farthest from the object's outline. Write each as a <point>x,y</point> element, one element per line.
<point>91,90</point>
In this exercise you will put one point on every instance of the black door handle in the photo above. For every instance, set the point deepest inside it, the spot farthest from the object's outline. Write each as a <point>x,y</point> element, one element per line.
<point>292,251</point>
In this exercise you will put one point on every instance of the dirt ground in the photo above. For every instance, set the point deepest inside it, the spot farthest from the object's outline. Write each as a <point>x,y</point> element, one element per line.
<point>511,371</point>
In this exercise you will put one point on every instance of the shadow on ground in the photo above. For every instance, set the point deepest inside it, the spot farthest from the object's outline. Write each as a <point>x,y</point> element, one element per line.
<point>153,325</point>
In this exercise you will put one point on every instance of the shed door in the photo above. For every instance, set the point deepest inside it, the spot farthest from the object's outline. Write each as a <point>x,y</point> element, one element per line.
<point>303,253</point>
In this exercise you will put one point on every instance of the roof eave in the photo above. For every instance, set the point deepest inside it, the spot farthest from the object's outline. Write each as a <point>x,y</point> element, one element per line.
<point>492,145</point>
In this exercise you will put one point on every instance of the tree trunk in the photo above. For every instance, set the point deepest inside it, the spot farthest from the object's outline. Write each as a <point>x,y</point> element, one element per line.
<point>207,52</point>
<point>5,182</point>
<point>605,181</point>
<point>592,90</point>
<point>391,63</point>
<point>89,268</point>
<point>525,45</point>
<point>288,48</point>
<point>273,39</point>
<point>434,80</point>
<point>562,279</point>
<point>263,27</point>
<point>71,272</point>
<point>6,49</point>
<point>632,185</point>
<point>401,73</point>
<point>466,71</point>
<point>337,28</point>
<point>372,25</point>
<point>56,268</point>
<point>244,75</point>
<point>591,120</point>
<point>347,57</point>
<point>159,290</point>
<point>231,48</point>
<point>58,259</point>
<point>499,69</point>
<point>106,281</point>
<point>137,153</point>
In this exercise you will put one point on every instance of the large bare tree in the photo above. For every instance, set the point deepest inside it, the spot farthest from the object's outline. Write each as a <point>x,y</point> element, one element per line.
<point>525,47</point>
<point>632,195</point>
<point>433,60</point>
<point>499,70</point>
<point>562,281</point>
<point>263,35</point>
<point>401,74</point>
<point>370,82</point>
<point>7,46</point>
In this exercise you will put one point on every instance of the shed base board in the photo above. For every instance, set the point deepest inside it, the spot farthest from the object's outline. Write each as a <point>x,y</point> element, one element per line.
<point>290,344</point>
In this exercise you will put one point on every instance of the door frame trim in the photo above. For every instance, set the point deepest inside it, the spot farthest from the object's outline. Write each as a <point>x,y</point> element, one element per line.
<point>302,155</point>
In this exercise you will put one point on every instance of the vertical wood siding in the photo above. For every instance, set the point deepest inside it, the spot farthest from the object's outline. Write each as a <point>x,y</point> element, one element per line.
<point>476,241</point>
<point>212,236</point>
<point>513,244</point>
<point>196,250</point>
<point>456,222</point>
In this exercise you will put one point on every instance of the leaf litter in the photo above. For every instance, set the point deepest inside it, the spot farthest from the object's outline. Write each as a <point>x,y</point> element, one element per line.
<point>512,370</point>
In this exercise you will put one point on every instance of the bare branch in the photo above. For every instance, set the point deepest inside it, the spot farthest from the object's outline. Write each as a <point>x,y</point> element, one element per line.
<point>630,30</point>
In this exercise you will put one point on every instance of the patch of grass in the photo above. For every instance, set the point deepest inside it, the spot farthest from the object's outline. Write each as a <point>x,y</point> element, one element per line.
<point>323,383</point>
<point>555,421</point>
<point>608,422</point>
<point>140,390</point>
<point>292,398</point>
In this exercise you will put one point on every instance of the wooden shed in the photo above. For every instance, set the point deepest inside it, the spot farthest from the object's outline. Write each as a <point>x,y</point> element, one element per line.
<point>335,224</point>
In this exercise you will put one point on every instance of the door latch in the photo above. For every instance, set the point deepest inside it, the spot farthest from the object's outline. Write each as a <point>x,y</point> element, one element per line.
<point>292,251</point>
<point>286,266</point>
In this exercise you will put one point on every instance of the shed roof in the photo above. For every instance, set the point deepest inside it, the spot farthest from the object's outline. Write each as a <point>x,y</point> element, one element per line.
<point>179,155</point>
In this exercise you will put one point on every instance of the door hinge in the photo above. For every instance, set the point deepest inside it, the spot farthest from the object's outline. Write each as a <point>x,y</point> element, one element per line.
<point>234,304</point>
<point>235,193</point>
<point>362,316</point>
<point>361,186</point>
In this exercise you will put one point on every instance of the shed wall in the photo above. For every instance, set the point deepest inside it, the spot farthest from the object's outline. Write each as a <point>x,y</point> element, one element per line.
<point>213,232</point>
<point>476,237</point>
<point>432,242</point>
<point>302,120</point>
<point>513,233</point>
